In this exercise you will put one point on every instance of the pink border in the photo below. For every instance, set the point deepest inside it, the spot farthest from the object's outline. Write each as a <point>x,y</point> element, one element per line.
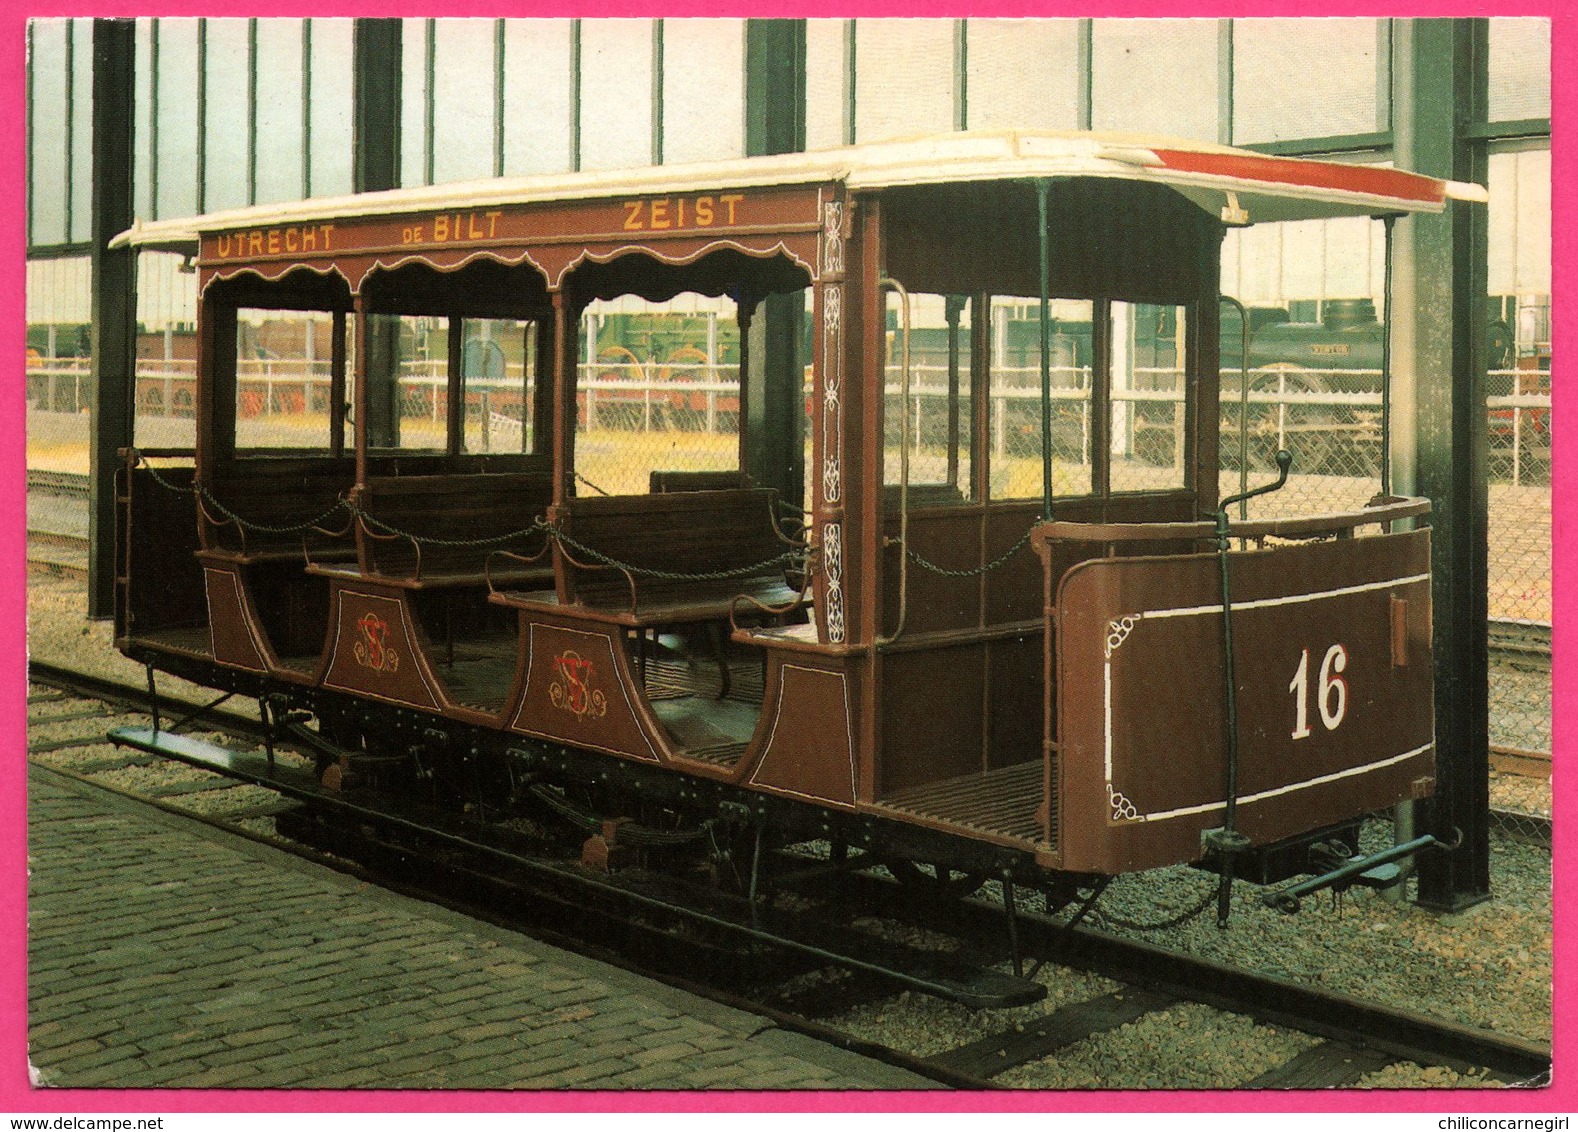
<point>15,1092</point>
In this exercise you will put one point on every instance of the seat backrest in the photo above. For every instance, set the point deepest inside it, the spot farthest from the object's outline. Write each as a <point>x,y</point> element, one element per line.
<point>662,482</point>
<point>469,509</point>
<point>683,532</point>
<point>274,500</point>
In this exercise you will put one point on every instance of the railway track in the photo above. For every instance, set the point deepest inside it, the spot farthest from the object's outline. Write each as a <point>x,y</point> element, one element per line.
<point>1341,1038</point>
<point>72,484</point>
<point>57,541</point>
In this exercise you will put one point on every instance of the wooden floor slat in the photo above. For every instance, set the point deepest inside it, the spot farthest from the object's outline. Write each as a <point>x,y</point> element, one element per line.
<point>1002,801</point>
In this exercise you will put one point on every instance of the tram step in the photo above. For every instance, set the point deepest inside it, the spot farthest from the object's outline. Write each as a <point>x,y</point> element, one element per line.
<point>244,765</point>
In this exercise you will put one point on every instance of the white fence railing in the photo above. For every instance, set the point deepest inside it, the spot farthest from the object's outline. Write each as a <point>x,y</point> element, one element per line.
<point>650,397</point>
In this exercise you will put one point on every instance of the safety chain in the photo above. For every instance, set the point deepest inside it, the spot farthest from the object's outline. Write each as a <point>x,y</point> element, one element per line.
<point>977,571</point>
<point>789,558</point>
<point>246,524</point>
<point>429,540</point>
<point>166,484</point>
<point>249,525</point>
<point>1160,925</point>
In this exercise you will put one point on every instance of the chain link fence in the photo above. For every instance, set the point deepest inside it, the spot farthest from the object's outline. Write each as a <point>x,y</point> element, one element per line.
<point>640,416</point>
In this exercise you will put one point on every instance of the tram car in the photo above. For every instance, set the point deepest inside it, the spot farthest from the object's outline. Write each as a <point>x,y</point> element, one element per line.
<point>940,660</point>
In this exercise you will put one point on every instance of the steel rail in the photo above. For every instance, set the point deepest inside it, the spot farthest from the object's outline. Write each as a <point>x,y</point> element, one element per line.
<point>131,696</point>
<point>1404,1033</point>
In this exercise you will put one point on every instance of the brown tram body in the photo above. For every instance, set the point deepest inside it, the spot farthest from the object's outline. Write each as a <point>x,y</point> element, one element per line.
<point>1054,705</point>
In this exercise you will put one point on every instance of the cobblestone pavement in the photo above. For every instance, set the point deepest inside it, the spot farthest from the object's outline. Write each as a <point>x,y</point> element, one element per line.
<point>165,955</point>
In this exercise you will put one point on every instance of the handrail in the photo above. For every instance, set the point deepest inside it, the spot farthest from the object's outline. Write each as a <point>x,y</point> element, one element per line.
<point>1204,530</point>
<point>904,459</point>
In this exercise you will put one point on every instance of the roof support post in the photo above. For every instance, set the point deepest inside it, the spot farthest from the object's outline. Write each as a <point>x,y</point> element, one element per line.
<point>363,350</point>
<point>1044,324</point>
<point>455,389</point>
<point>1439,425</point>
<point>114,295</point>
<point>562,377</point>
<point>378,380</point>
<point>773,453</point>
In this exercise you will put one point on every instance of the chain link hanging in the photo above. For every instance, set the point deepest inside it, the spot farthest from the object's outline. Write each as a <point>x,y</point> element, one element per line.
<point>977,571</point>
<point>787,559</point>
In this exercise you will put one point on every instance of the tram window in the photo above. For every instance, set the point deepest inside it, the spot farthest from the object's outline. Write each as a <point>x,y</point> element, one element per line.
<point>1147,401</point>
<point>658,390</point>
<point>499,376</point>
<point>934,426</point>
<point>1014,417</point>
<point>283,364</point>
<point>407,377</point>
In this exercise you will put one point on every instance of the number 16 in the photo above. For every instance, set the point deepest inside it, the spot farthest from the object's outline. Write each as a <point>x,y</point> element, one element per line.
<point>1333,699</point>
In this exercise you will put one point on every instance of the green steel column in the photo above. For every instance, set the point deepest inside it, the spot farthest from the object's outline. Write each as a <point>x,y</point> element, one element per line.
<point>375,141</point>
<point>775,123</point>
<point>375,165</point>
<point>1439,362</point>
<point>114,294</point>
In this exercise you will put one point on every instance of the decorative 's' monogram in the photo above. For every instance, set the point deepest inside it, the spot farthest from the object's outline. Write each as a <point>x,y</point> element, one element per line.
<point>373,651</point>
<point>573,691</point>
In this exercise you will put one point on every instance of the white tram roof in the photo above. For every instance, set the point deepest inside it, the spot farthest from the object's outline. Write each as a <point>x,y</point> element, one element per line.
<point>1239,185</point>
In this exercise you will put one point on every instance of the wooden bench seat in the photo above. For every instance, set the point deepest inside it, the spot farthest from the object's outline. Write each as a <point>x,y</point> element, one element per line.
<point>253,511</point>
<point>644,560</point>
<point>438,531</point>
<point>713,602</point>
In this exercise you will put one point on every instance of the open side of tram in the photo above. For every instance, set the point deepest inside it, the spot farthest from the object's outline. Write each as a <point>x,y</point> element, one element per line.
<point>965,650</point>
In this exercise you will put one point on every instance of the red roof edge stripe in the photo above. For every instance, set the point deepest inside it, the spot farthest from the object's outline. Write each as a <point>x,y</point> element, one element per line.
<point>1370,180</point>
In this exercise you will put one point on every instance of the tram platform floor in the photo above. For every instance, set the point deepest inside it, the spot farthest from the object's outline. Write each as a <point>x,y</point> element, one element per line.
<point>166,955</point>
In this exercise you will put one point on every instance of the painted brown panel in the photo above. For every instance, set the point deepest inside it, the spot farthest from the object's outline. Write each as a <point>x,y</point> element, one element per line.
<point>233,635</point>
<point>809,751</point>
<point>579,693</point>
<point>1014,690</point>
<point>933,713</point>
<point>950,540</point>
<point>1329,726</point>
<point>376,650</point>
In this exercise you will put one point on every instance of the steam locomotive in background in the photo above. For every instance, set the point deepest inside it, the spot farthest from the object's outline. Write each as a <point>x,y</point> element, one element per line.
<point>1292,352</point>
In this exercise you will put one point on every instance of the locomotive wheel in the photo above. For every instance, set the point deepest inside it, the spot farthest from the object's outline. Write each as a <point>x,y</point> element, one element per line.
<point>1309,431</point>
<point>935,880</point>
